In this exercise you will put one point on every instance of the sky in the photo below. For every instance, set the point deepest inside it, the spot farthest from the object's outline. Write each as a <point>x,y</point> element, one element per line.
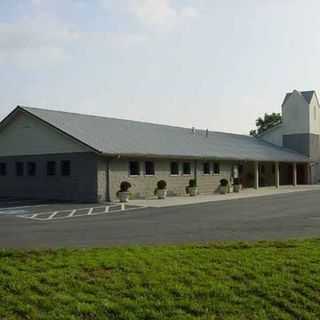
<point>216,64</point>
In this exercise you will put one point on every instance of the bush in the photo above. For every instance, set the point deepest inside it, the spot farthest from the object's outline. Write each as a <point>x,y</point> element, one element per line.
<point>162,185</point>
<point>236,181</point>
<point>125,186</point>
<point>224,182</point>
<point>192,183</point>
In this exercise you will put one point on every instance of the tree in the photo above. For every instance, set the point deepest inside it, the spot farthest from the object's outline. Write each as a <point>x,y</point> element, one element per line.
<point>265,123</point>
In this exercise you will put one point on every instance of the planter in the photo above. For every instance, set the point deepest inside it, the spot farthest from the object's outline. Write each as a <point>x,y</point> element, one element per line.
<point>193,191</point>
<point>223,189</point>
<point>162,193</point>
<point>236,187</point>
<point>124,196</point>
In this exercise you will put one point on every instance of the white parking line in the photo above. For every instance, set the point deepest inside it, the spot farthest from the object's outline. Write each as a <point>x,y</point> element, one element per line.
<point>71,213</point>
<point>52,215</point>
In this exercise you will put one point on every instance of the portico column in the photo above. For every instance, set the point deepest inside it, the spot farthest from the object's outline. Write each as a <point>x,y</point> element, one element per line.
<point>277,174</point>
<point>256,175</point>
<point>294,173</point>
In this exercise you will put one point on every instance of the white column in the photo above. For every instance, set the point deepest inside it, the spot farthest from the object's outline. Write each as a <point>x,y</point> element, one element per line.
<point>256,175</point>
<point>277,174</point>
<point>294,173</point>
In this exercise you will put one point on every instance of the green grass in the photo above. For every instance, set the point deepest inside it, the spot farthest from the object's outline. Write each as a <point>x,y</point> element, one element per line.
<point>264,280</point>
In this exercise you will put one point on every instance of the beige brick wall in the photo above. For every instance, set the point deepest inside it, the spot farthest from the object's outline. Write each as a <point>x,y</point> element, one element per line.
<point>210,183</point>
<point>102,179</point>
<point>143,186</point>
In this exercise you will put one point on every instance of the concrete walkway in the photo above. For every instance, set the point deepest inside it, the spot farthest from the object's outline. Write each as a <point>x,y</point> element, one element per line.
<point>245,193</point>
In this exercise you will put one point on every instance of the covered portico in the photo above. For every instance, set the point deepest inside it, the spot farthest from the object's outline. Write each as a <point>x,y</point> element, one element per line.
<point>259,174</point>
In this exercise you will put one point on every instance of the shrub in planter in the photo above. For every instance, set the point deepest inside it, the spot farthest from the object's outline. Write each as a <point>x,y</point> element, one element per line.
<point>236,185</point>
<point>123,193</point>
<point>161,190</point>
<point>224,184</point>
<point>192,188</point>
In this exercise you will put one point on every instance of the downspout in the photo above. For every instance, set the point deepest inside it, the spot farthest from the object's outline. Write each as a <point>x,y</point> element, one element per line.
<point>195,170</point>
<point>108,191</point>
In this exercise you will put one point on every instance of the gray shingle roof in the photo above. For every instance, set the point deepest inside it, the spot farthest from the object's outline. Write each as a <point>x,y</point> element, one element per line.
<point>306,94</point>
<point>125,137</point>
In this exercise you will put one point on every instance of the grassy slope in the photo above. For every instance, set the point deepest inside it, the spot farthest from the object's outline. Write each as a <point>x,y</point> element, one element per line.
<point>266,280</point>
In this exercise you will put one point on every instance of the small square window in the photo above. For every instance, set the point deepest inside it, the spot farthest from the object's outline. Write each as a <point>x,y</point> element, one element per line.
<point>134,168</point>
<point>32,168</point>
<point>149,168</point>
<point>51,168</point>
<point>216,168</point>
<point>3,169</point>
<point>19,169</point>
<point>174,168</point>
<point>65,168</point>
<point>206,168</point>
<point>186,168</point>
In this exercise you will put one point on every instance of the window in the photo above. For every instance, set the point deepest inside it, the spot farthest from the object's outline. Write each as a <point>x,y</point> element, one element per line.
<point>32,168</point>
<point>174,168</point>
<point>65,168</point>
<point>134,168</point>
<point>3,169</point>
<point>51,168</point>
<point>216,168</point>
<point>186,168</point>
<point>206,168</point>
<point>19,169</point>
<point>149,168</point>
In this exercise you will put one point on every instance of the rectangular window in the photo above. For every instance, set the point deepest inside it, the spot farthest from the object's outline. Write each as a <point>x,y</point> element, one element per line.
<point>149,168</point>
<point>51,168</point>
<point>216,168</point>
<point>32,168</point>
<point>134,168</point>
<point>19,169</point>
<point>65,168</point>
<point>206,168</point>
<point>3,169</point>
<point>186,168</point>
<point>174,168</point>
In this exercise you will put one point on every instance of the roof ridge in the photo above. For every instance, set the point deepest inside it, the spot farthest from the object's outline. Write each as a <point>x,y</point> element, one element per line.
<point>132,121</point>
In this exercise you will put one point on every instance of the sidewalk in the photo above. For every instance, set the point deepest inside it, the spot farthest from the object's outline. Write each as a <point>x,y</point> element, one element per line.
<point>245,193</point>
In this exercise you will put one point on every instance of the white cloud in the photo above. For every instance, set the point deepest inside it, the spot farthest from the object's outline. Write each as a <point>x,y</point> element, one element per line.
<point>160,13</point>
<point>154,14</point>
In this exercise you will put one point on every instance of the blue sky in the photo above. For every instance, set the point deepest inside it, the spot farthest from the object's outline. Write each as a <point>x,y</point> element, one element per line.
<point>204,63</point>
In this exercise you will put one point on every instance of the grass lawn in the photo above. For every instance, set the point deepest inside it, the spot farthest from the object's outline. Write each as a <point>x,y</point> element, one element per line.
<point>264,280</point>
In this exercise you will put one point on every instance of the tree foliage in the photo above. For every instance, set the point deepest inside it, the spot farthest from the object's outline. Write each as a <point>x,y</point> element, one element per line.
<point>265,123</point>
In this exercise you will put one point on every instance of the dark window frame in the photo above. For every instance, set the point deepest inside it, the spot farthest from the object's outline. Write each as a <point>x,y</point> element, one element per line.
<point>147,170</point>
<point>174,165</point>
<point>134,171</point>
<point>19,169</point>
<point>206,170</point>
<point>65,168</point>
<point>31,169</point>
<point>3,169</point>
<point>51,171</point>
<point>186,165</point>
<point>216,168</point>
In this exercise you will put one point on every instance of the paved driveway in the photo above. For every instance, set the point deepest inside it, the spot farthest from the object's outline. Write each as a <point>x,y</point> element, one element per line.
<point>271,217</point>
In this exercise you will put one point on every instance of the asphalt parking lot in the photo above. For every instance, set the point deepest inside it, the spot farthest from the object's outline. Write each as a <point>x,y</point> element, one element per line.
<point>293,215</point>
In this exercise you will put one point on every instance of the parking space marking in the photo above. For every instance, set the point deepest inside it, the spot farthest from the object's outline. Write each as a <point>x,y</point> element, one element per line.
<point>73,213</point>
